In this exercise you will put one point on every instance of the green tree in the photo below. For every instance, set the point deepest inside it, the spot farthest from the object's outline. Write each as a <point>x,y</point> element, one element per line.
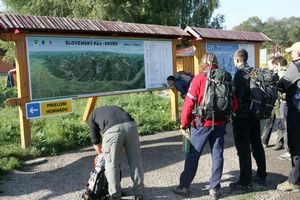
<point>167,12</point>
<point>283,32</point>
<point>253,24</point>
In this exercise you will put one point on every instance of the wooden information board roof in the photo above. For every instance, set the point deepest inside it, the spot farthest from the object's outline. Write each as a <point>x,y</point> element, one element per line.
<point>210,33</point>
<point>21,23</point>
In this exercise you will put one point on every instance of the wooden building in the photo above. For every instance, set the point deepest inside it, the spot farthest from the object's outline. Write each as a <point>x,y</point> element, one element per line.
<point>223,43</point>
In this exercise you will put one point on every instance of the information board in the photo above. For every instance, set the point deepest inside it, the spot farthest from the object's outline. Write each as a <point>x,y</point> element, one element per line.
<point>225,52</point>
<point>89,66</point>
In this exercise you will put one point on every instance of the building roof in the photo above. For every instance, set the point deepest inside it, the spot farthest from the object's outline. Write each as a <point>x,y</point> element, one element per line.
<point>185,51</point>
<point>210,33</point>
<point>15,22</point>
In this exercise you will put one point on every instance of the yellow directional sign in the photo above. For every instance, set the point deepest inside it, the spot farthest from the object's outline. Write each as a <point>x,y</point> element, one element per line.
<point>58,107</point>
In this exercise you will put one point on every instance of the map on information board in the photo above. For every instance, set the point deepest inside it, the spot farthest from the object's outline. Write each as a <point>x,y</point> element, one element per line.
<point>89,66</point>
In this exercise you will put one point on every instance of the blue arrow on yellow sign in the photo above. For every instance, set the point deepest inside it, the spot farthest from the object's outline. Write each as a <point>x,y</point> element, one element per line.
<point>49,108</point>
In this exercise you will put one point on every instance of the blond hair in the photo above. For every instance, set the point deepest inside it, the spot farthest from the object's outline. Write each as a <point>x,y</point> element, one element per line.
<point>207,59</point>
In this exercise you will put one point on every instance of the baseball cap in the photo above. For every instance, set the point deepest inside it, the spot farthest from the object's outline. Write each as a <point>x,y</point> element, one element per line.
<point>294,47</point>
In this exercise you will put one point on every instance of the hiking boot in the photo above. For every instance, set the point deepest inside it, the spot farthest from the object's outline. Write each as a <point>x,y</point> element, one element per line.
<point>114,198</point>
<point>182,191</point>
<point>238,186</point>
<point>259,180</point>
<point>287,186</point>
<point>265,145</point>
<point>138,197</point>
<point>214,193</point>
<point>123,194</point>
<point>285,156</point>
<point>277,147</point>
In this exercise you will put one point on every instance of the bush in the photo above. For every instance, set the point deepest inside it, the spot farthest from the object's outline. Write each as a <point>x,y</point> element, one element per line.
<point>6,93</point>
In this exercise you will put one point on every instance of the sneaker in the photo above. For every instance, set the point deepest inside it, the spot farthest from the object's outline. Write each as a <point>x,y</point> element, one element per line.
<point>287,186</point>
<point>285,156</point>
<point>214,193</point>
<point>182,191</point>
<point>238,186</point>
<point>277,147</point>
<point>259,180</point>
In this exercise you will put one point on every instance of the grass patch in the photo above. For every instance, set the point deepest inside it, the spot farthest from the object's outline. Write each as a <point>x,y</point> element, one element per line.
<point>56,134</point>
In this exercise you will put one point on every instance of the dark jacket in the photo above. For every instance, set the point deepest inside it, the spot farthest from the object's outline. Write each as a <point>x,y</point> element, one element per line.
<point>290,84</point>
<point>103,118</point>
<point>291,76</point>
<point>242,91</point>
<point>181,86</point>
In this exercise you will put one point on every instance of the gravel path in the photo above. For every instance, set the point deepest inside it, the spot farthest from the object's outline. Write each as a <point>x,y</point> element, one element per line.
<point>64,176</point>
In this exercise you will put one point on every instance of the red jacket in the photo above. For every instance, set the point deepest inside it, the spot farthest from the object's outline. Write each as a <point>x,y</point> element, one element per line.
<point>196,93</point>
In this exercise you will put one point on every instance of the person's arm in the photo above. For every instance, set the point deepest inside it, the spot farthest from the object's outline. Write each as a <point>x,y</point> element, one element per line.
<point>95,135</point>
<point>179,85</point>
<point>189,102</point>
<point>289,78</point>
<point>239,86</point>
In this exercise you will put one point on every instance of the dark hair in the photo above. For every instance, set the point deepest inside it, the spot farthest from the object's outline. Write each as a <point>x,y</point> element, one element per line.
<point>242,55</point>
<point>171,78</point>
<point>279,59</point>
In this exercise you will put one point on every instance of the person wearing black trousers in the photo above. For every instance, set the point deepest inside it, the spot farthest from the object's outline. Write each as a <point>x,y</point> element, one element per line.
<point>290,84</point>
<point>246,129</point>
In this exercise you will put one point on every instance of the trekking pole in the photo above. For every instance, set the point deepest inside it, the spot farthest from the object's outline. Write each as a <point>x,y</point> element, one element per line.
<point>186,140</point>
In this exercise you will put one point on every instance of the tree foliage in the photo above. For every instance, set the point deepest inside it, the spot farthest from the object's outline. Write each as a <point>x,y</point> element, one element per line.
<point>167,12</point>
<point>283,32</point>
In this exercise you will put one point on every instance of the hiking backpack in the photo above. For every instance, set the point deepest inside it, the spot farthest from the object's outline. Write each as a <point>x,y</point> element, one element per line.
<point>97,186</point>
<point>263,92</point>
<point>217,100</point>
<point>186,77</point>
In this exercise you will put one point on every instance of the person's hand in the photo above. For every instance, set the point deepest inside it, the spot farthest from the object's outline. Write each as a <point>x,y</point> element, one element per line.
<point>98,148</point>
<point>182,127</point>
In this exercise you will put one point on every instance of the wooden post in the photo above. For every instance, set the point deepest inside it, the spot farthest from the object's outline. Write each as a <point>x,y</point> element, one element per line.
<point>89,108</point>
<point>257,54</point>
<point>174,95</point>
<point>23,88</point>
<point>199,49</point>
<point>174,105</point>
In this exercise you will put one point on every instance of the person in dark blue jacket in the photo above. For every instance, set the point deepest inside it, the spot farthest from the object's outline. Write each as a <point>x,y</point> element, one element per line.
<point>179,84</point>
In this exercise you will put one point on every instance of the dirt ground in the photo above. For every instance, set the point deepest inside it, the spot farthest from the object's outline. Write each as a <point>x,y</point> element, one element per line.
<point>65,176</point>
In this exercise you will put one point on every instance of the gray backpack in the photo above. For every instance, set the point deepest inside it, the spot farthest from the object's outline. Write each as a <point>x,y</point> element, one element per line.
<point>218,95</point>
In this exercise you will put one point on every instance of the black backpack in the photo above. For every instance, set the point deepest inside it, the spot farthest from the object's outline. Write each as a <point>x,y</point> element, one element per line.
<point>263,92</point>
<point>97,186</point>
<point>218,95</point>
<point>186,77</point>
